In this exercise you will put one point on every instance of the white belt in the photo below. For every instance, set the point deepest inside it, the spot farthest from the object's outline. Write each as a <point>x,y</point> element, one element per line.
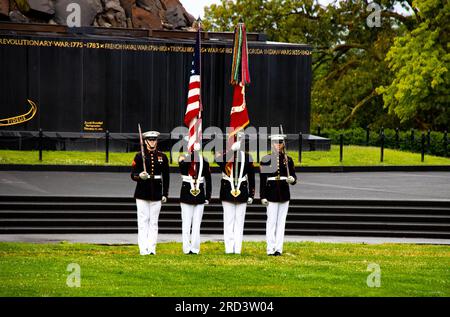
<point>154,177</point>
<point>228,178</point>
<point>277,178</point>
<point>189,179</point>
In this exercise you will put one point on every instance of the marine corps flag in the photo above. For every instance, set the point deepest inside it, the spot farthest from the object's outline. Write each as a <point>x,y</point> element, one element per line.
<point>240,77</point>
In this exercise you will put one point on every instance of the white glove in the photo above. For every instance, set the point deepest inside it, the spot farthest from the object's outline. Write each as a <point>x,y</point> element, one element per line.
<point>144,176</point>
<point>236,146</point>
<point>206,202</point>
<point>290,180</point>
<point>249,200</point>
<point>264,201</point>
<point>163,199</point>
<point>196,146</point>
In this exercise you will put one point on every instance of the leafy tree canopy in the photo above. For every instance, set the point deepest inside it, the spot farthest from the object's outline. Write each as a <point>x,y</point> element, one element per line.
<point>359,71</point>
<point>420,63</point>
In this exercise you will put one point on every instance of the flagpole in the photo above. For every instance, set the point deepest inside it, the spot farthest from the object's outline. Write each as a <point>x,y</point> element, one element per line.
<point>236,162</point>
<point>199,21</point>
<point>193,114</point>
<point>199,118</point>
<point>239,116</point>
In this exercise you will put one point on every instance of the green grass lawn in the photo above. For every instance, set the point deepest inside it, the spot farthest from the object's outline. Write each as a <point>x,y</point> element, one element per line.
<point>353,156</point>
<point>366,156</point>
<point>305,269</point>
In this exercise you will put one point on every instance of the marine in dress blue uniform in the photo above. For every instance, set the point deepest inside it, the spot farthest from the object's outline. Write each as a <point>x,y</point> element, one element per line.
<point>152,189</point>
<point>276,174</point>
<point>194,195</point>
<point>236,191</point>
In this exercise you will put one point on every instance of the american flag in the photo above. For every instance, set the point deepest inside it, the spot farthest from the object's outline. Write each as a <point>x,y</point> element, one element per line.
<point>193,115</point>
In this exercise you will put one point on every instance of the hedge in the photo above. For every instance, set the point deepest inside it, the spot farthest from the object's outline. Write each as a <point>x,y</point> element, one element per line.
<point>358,136</point>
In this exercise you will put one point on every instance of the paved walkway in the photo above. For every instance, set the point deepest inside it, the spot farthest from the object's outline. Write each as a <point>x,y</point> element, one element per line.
<point>112,239</point>
<point>379,185</point>
<point>376,185</point>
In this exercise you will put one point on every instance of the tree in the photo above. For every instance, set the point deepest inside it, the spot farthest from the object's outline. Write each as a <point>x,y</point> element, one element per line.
<point>294,21</point>
<point>420,63</point>
<point>348,55</point>
<point>348,72</point>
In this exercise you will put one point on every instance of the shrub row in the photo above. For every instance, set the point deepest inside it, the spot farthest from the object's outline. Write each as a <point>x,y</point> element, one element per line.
<point>436,143</point>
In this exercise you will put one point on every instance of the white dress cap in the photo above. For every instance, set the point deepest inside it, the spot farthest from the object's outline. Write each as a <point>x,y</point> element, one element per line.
<point>150,135</point>
<point>277,137</point>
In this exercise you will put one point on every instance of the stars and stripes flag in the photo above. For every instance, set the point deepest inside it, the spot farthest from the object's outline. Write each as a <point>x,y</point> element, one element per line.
<point>193,115</point>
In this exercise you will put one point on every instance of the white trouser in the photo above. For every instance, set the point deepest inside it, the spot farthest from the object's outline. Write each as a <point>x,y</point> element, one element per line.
<point>276,221</point>
<point>233,226</point>
<point>147,215</point>
<point>191,216</point>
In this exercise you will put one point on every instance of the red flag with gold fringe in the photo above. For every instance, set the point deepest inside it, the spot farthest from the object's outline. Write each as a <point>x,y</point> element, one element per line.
<point>240,77</point>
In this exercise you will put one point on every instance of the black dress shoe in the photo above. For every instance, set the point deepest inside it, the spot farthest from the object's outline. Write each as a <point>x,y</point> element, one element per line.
<point>271,254</point>
<point>190,252</point>
<point>277,253</point>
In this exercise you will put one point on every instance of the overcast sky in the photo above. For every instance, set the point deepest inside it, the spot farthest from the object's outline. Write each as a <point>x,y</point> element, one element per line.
<point>195,7</point>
